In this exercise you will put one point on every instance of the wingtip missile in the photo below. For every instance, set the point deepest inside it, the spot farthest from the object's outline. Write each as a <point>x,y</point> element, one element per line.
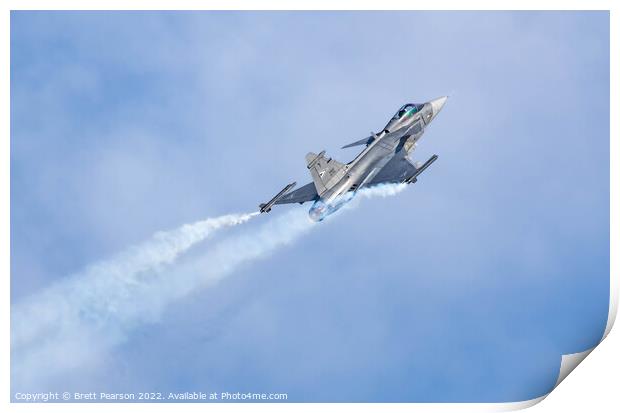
<point>414,178</point>
<point>266,207</point>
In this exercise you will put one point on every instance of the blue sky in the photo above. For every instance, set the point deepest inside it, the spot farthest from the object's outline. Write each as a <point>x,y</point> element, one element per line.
<point>468,286</point>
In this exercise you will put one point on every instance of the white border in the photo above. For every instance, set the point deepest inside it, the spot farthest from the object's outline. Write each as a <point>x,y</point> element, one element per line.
<point>602,375</point>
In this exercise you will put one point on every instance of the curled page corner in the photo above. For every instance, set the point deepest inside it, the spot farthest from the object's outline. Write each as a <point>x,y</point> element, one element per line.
<point>569,362</point>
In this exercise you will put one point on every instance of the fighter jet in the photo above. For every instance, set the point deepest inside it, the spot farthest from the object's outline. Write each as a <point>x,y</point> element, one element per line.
<point>385,159</point>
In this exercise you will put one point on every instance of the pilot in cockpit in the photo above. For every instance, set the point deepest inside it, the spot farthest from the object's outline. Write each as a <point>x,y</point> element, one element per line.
<point>408,109</point>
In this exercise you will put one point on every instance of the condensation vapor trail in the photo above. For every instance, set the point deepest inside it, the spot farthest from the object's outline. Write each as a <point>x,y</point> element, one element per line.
<point>382,191</point>
<point>100,287</point>
<point>78,320</point>
<point>86,314</point>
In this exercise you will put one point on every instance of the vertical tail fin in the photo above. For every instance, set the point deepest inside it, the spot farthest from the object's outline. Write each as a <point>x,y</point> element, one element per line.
<point>325,171</point>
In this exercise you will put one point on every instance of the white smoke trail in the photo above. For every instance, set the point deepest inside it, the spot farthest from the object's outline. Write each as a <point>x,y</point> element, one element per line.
<point>84,315</point>
<point>98,292</point>
<point>377,191</point>
<point>382,190</point>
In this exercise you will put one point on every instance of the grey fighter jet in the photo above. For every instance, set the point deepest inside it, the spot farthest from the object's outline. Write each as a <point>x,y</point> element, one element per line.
<point>383,160</point>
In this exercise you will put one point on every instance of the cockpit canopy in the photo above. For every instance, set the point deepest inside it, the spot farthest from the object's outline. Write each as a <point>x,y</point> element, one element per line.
<point>408,110</point>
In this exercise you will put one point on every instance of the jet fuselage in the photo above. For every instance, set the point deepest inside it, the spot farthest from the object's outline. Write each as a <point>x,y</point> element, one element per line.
<point>401,133</point>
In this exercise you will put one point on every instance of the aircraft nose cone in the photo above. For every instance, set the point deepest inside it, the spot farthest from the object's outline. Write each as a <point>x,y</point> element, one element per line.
<point>437,104</point>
